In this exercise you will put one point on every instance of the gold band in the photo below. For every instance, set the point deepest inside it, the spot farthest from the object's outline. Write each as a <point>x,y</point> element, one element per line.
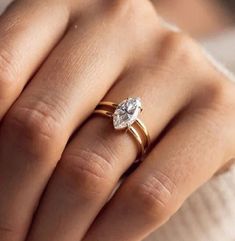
<point>138,130</point>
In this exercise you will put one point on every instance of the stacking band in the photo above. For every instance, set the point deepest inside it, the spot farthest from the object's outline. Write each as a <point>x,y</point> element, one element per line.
<point>124,117</point>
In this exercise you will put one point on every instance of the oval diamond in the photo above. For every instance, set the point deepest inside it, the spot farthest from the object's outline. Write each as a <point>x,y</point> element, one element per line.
<point>127,113</point>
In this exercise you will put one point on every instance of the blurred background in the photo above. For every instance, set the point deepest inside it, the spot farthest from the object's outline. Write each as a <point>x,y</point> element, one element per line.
<point>212,22</point>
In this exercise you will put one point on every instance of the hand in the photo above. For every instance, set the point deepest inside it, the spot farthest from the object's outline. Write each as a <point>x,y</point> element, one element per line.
<point>72,54</point>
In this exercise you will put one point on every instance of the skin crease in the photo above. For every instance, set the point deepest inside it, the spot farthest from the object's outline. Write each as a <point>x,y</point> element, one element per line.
<point>59,164</point>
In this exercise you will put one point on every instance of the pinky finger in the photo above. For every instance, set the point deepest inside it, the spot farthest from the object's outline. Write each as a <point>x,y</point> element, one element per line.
<point>190,153</point>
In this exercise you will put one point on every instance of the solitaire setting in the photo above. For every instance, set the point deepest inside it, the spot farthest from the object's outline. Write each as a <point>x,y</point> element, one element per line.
<point>127,113</point>
<point>125,117</point>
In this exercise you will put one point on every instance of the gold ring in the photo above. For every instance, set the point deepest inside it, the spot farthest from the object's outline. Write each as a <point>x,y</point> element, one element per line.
<point>125,117</point>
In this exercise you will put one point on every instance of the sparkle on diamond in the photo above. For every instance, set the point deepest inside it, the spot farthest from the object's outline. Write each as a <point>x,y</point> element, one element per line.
<point>126,113</point>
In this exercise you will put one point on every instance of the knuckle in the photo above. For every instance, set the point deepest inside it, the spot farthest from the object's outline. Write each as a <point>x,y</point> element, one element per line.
<point>224,94</point>
<point>154,197</point>
<point>219,95</point>
<point>127,11</point>
<point>34,124</point>
<point>8,73</point>
<point>87,170</point>
<point>118,11</point>
<point>221,105</point>
<point>179,48</point>
<point>213,108</point>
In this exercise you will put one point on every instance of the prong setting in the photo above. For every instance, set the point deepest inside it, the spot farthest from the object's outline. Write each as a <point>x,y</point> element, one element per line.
<point>127,113</point>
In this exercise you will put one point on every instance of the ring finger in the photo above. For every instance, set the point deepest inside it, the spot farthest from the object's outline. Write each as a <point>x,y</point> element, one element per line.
<point>97,156</point>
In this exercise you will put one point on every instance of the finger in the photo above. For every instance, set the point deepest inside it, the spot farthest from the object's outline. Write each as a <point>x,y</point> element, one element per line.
<point>190,153</point>
<point>28,32</point>
<point>38,126</point>
<point>96,158</point>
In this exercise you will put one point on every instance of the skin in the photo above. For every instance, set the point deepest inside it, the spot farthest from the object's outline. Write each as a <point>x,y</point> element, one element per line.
<point>59,164</point>
<point>200,18</point>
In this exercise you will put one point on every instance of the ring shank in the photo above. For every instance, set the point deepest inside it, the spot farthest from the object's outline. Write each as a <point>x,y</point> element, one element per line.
<point>138,130</point>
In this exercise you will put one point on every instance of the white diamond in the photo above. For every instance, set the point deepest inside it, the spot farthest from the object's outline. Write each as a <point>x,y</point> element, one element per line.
<point>126,113</point>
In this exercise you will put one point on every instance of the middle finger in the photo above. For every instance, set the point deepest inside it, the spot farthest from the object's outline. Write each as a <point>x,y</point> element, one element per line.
<point>34,133</point>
